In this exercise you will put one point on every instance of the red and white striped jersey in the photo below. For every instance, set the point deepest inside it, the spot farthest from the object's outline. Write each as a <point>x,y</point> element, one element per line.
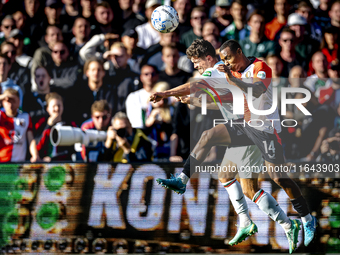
<point>258,70</point>
<point>13,136</point>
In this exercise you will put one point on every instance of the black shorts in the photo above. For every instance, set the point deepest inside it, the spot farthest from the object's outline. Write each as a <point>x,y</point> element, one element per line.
<point>269,144</point>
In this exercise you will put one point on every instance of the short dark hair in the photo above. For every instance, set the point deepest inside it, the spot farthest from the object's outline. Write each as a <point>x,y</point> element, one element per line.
<point>153,66</point>
<point>201,48</point>
<point>90,60</point>
<point>232,45</point>
<point>104,4</point>
<point>100,106</point>
<point>288,30</point>
<point>256,12</point>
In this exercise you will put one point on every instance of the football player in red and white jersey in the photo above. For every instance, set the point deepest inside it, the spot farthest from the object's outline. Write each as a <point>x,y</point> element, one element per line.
<point>15,130</point>
<point>266,137</point>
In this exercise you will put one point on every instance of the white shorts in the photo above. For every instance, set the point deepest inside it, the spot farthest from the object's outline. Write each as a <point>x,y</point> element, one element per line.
<point>247,158</point>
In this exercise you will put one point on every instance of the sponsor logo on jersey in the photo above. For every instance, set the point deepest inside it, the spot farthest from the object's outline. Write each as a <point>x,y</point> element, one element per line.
<point>261,75</point>
<point>207,74</point>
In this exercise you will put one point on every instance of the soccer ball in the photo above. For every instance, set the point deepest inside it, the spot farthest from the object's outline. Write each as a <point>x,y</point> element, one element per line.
<point>164,19</point>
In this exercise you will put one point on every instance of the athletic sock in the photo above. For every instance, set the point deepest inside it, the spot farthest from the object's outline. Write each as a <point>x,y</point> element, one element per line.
<point>184,178</point>
<point>238,200</point>
<point>306,218</point>
<point>270,206</point>
<point>300,205</point>
<point>190,162</point>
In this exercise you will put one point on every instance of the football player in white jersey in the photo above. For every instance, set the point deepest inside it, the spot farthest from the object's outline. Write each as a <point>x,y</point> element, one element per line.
<point>202,54</point>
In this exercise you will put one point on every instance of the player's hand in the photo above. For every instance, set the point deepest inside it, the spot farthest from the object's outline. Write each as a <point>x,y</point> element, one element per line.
<point>156,97</point>
<point>225,69</point>
<point>185,99</point>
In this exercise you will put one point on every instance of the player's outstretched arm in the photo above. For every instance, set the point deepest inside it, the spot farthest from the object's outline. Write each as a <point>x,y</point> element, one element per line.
<point>197,102</point>
<point>258,86</point>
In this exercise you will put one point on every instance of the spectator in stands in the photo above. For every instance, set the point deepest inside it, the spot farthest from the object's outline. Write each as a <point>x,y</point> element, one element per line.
<point>321,13</point>
<point>153,55</point>
<point>222,17</point>
<point>34,101</point>
<point>100,120</point>
<point>81,31</point>
<point>137,102</point>
<point>275,63</point>
<point>87,8</point>
<point>16,134</point>
<point>53,10</point>
<point>104,17</point>
<point>42,56</point>
<point>17,38</point>
<point>48,152</point>
<point>85,92</point>
<point>128,18</point>
<point>64,72</point>
<point>197,19</point>
<point>330,149</point>
<point>173,75</point>
<point>213,39</point>
<point>306,10</point>
<point>136,54</point>
<point>305,45</point>
<point>7,25</point>
<point>183,8</point>
<point>124,80</point>
<point>282,8</point>
<point>238,29</point>
<point>147,35</point>
<point>19,74</point>
<point>257,44</point>
<point>70,11</point>
<point>34,16</point>
<point>288,54</point>
<point>5,81</point>
<point>126,144</point>
<point>319,78</point>
<point>158,123</point>
<point>334,14</point>
<point>20,19</point>
<point>329,45</point>
<point>210,27</point>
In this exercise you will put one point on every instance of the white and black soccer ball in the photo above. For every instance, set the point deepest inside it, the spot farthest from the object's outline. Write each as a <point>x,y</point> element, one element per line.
<point>165,19</point>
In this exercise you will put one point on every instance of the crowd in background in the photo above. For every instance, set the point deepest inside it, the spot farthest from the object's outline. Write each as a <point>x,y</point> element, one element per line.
<point>93,64</point>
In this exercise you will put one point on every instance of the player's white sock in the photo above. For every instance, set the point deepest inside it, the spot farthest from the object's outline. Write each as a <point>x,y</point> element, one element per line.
<point>184,178</point>
<point>238,200</point>
<point>306,218</point>
<point>270,206</point>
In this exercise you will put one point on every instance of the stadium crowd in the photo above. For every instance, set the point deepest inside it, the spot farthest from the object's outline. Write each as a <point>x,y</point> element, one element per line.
<point>93,64</point>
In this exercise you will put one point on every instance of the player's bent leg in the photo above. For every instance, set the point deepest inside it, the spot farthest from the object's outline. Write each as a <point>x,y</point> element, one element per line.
<point>217,135</point>
<point>298,201</point>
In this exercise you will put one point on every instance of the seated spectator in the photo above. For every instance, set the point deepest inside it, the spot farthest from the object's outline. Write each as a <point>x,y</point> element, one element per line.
<point>158,123</point>
<point>100,120</point>
<point>64,72</point>
<point>306,10</point>
<point>85,92</point>
<point>87,8</point>
<point>319,78</point>
<point>81,31</point>
<point>5,81</point>
<point>104,20</point>
<point>172,74</point>
<point>17,38</point>
<point>21,33</point>
<point>210,27</point>
<point>198,17</point>
<point>147,35</point>
<point>275,63</point>
<point>329,45</point>
<point>127,17</point>
<point>16,134</point>
<point>282,8</point>
<point>19,74</point>
<point>257,44</point>
<point>183,8</point>
<point>222,17</point>
<point>238,29</point>
<point>305,45</point>
<point>127,144</point>
<point>48,152</point>
<point>334,13</point>
<point>321,13</point>
<point>136,54</point>
<point>7,25</point>
<point>288,54</point>
<point>42,56</point>
<point>124,80</point>
<point>69,14</point>
<point>34,101</point>
<point>52,11</point>
<point>137,102</point>
<point>153,55</point>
